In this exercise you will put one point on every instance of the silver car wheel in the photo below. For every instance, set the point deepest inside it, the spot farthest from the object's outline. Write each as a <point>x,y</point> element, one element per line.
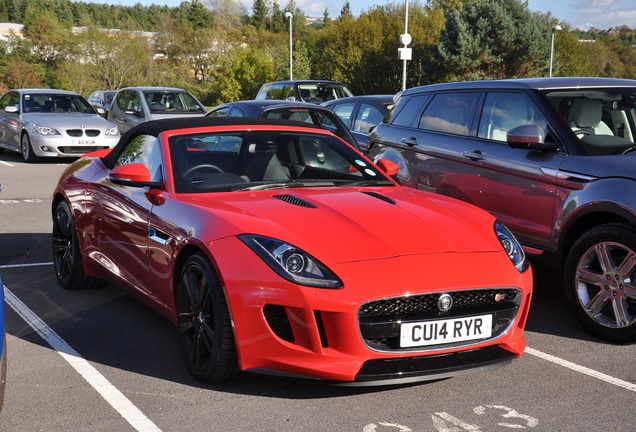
<point>27,151</point>
<point>605,284</point>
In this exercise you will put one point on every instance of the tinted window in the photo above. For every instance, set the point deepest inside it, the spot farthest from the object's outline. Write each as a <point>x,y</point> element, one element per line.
<point>221,112</point>
<point>449,113</point>
<point>368,117</point>
<point>407,109</point>
<point>344,110</point>
<point>505,111</point>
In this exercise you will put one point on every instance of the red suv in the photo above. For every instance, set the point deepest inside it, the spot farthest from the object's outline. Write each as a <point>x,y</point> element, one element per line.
<point>552,158</point>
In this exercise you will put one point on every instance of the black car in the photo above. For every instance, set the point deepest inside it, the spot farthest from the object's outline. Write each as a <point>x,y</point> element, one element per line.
<point>361,114</point>
<point>552,158</point>
<point>287,110</point>
<point>314,91</point>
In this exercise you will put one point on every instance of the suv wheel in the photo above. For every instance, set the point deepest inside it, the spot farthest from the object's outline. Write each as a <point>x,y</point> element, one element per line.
<point>600,281</point>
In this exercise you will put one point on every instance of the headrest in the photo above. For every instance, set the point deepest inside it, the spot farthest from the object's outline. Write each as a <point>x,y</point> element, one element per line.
<point>585,112</point>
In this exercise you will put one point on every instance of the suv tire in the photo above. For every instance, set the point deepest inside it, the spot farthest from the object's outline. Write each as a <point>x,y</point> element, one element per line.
<point>600,281</point>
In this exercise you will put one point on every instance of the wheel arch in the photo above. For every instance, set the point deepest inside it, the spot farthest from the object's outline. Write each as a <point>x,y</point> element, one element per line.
<point>584,220</point>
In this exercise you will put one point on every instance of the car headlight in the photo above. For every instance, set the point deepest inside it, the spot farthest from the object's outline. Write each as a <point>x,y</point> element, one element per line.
<point>291,263</point>
<point>512,247</point>
<point>112,131</point>
<point>45,130</point>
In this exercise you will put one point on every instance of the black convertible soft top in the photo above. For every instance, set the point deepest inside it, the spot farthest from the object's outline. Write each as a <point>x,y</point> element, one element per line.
<point>155,127</point>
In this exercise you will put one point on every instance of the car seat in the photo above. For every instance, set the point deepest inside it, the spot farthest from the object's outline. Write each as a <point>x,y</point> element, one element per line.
<point>585,117</point>
<point>261,163</point>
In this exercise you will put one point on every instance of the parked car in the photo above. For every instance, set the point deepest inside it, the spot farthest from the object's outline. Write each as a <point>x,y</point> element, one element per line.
<point>288,110</point>
<point>101,100</point>
<point>361,114</point>
<point>314,91</point>
<point>52,123</point>
<point>553,159</point>
<point>266,243</point>
<point>134,105</point>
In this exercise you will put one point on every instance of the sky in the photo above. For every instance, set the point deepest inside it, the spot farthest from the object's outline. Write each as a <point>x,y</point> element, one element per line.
<point>582,14</point>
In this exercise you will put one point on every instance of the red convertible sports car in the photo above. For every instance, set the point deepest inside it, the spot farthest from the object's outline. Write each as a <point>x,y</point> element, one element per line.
<point>275,247</point>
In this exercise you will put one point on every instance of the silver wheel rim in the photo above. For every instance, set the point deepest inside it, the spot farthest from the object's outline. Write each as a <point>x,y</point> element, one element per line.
<point>605,285</point>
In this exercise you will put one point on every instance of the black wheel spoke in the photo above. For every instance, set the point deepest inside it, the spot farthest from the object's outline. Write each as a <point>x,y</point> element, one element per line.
<point>203,323</point>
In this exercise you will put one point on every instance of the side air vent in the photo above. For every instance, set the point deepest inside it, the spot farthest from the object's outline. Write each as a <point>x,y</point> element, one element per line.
<point>380,197</point>
<point>295,201</point>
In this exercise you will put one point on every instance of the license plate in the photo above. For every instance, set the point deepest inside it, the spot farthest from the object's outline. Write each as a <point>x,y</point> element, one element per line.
<point>445,331</point>
<point>86,142</point>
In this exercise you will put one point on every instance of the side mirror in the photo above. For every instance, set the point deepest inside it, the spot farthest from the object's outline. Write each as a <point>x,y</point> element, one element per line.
<point>11,109</point>
<point>389,167</point>
<point>529,137</point>
<point>132,174</point>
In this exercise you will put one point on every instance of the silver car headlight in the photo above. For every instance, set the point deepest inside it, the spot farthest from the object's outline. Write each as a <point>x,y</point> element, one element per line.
<point>45,130</point>
<point>512,247</point>
<point>112,131</point>
<point>291,263</point>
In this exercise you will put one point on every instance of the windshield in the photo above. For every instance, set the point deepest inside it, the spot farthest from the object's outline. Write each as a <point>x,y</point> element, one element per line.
<point>55,103</point>
<point>266,159</point>
<point>603,119</point>
<point>318,93</point>
<point>172,101</point>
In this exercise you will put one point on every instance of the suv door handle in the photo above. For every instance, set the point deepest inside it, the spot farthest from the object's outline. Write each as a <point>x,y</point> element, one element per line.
<point>411,142</point>
<point>474,155</point>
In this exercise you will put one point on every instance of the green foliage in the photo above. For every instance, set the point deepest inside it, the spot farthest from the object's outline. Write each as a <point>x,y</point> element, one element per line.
<point>219,53</point>
<point>491,39</point>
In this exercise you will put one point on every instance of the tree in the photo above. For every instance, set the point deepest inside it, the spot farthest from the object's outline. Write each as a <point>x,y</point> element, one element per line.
<point>490,39</point>
<point>259,14</point>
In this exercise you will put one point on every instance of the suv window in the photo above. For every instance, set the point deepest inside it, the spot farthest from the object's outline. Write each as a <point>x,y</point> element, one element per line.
<point>407,109</point>
<point>449,113</point>
<point>505,111</point>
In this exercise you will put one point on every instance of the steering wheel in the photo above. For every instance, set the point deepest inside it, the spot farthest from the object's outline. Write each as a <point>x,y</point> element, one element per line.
<point>202,168</point>
<point>627,150</point>
<point>582,132</point>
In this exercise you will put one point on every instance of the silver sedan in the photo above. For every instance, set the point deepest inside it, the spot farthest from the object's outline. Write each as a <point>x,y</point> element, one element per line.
<point>52,123</point>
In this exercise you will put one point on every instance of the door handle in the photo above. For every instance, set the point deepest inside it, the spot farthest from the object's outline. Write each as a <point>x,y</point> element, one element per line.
<point>474,155</point>
<point>411,142</point>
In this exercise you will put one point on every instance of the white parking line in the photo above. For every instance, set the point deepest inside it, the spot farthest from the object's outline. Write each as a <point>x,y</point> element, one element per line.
<point>6,163</point>
<point>114,397</point>
<point>582,369</point>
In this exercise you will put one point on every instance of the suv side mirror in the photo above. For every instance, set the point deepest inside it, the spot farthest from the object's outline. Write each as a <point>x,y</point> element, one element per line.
<point>529,137</point>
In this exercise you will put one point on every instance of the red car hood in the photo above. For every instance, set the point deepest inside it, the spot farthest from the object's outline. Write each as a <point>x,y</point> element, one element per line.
<point>352,224</point>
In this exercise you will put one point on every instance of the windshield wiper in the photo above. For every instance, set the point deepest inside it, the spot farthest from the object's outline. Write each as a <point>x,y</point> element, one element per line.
<point>369,183</point>
<point>289,184</point>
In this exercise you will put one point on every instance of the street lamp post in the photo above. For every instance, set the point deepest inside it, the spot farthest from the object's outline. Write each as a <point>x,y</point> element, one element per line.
<point>289,16</point>
<point>405,38</point>
<point>555,29</point>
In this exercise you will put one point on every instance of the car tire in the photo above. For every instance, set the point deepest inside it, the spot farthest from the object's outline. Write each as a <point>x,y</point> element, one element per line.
<point>203,320</point>
<point>600,281</point>
<point>67,258</point>
<point>27,149</point>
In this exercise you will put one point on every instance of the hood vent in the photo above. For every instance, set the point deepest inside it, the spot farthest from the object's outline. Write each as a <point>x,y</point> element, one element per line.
<point>380,197</point>
<point>295,201</point>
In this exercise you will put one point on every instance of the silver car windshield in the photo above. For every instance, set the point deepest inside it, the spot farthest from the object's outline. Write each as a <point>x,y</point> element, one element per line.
<point>172,101</point>
<point>55,103</point>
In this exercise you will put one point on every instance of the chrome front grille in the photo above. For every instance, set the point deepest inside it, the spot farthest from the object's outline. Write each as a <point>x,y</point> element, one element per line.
<point>76,133</point>
<point>379,321</point>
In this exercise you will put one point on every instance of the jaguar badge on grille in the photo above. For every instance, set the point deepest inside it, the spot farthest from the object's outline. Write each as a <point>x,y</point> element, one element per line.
<point>444,302</point>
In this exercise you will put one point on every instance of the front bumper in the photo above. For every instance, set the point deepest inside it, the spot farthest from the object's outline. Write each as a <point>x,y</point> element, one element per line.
<point>286,329</point>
